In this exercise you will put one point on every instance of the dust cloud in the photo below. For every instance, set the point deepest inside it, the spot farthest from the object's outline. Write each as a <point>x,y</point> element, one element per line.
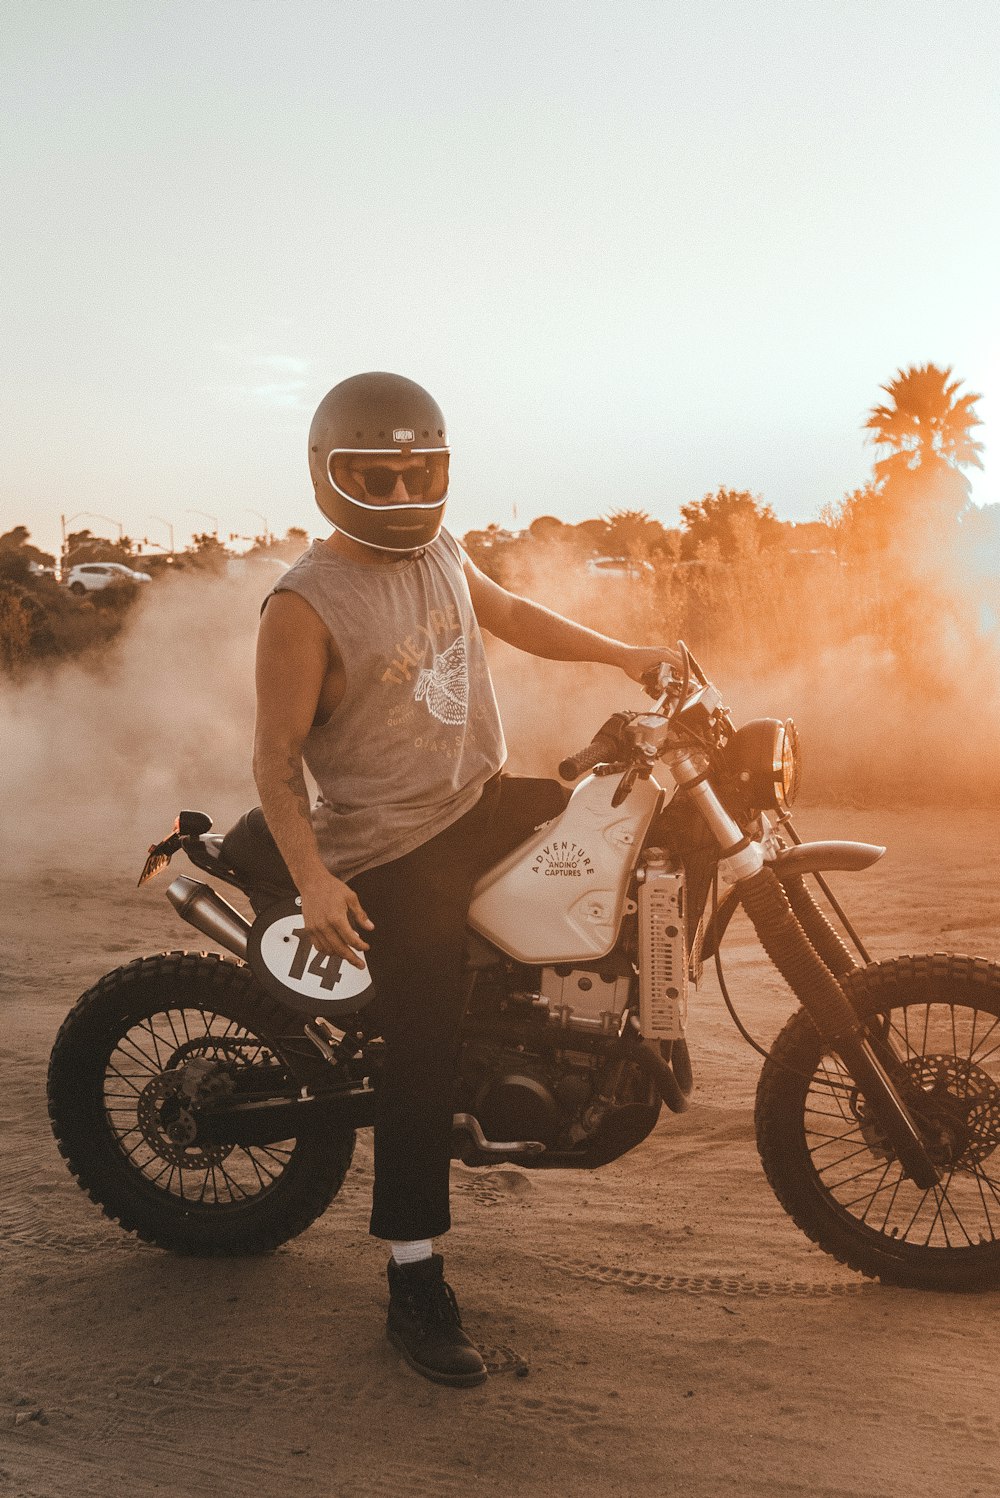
<point>98,758</point>
<point>896,694</point>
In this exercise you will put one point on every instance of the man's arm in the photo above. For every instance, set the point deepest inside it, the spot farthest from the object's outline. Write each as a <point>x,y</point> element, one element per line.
<point>531,627</point>
<point>293,662</point>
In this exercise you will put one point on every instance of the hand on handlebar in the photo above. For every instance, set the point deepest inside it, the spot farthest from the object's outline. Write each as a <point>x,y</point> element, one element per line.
<point>641,661</point>
<point>333,918</point>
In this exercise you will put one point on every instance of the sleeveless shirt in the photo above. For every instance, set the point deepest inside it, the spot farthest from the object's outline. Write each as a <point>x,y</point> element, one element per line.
<point>417,733</point>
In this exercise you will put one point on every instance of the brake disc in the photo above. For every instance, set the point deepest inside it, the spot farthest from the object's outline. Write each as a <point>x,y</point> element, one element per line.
<point>167,1119</point>
<point>957,1092</point>
<point>954,1101</point>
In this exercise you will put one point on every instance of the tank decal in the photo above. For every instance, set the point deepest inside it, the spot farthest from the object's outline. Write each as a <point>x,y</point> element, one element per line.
<point>560,896</point>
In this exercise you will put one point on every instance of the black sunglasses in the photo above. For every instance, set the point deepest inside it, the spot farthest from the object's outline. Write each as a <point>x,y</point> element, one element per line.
<point>380,482</point>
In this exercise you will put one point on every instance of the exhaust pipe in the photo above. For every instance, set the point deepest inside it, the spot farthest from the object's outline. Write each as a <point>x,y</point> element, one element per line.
<point>467,1123</point>
<point>204,909</point>
<point>646,1054</point>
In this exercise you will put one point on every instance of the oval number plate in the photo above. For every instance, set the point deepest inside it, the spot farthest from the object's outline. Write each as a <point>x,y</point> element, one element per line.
<point>285,961</point>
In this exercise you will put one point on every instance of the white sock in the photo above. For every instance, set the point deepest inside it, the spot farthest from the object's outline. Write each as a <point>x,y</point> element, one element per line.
<point>413,1252</point>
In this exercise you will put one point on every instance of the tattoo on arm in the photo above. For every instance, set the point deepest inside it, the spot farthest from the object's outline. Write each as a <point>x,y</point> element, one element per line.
<point>295,782</point>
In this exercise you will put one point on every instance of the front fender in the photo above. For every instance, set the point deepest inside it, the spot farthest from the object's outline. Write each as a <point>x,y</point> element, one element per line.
<point>805,858</point>
<point>818,858</point>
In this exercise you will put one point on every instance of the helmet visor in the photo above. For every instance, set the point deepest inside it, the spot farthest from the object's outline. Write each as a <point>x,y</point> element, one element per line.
<point>371,515</point>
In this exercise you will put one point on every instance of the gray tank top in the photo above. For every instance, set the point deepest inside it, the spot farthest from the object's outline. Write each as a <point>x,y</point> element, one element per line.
<point>417,733</point>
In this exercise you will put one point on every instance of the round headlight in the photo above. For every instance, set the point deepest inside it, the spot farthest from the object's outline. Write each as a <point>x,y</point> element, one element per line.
<point>788,768</point>
<point>764,755</point>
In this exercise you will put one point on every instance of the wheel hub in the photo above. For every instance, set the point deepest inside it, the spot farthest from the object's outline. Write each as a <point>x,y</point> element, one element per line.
<point>167,1113</point>
<point>955,1104</point>
<point>963,1101</point>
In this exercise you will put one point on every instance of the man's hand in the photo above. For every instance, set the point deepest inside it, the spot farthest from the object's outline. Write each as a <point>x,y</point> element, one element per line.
<point>636,660</point>
<point>332,916</point>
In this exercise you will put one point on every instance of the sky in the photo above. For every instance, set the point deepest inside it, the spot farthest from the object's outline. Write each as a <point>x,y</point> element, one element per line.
<point>635,249</point>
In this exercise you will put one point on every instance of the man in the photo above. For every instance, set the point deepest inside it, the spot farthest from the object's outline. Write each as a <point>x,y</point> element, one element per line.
<point>371,670</point>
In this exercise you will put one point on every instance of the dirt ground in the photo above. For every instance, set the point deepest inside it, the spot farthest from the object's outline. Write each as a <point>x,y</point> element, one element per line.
<point>681,1336</point>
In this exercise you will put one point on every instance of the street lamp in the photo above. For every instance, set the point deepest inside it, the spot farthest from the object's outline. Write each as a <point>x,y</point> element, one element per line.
<point>206,516</point>
<point>160,521</point>
<point>267,528</point>
<point>65,521</point>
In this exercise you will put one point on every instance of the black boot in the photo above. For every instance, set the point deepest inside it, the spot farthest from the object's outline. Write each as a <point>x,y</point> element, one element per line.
<point>424,1323</point>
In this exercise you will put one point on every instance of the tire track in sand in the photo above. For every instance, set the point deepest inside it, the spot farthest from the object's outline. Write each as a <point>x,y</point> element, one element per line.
<point>698,1284</point>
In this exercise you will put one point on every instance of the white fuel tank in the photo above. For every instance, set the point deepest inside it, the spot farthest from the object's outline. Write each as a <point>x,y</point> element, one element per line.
<point>560,896</point>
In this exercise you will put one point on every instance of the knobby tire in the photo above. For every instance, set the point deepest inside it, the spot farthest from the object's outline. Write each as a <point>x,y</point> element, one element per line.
<point>834,1174</point>
<point>290,1184</point>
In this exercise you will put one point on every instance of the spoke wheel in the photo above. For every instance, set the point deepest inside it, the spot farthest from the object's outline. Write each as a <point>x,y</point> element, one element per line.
<point>137,1059</point>
<point>835,1172</point>
<point>161,1071</point>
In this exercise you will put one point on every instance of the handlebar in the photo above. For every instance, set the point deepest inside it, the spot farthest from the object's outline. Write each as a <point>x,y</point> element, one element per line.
<point>605,747</point>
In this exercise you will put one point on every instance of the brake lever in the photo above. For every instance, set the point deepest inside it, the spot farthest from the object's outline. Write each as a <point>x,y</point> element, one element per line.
<point>628,780</point>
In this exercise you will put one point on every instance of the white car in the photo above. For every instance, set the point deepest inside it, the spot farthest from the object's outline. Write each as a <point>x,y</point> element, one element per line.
<point>624,568</point>
<point>91,577</point>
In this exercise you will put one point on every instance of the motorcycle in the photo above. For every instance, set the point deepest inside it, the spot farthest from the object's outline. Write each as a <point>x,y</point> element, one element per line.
<point>209,1103</point>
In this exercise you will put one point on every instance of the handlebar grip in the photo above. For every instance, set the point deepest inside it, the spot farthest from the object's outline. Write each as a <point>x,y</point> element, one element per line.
<point>605,747</point>
<point>575,765</point>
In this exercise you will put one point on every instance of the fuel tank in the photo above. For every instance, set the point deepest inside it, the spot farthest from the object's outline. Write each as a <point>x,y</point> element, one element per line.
<point>560,896</point>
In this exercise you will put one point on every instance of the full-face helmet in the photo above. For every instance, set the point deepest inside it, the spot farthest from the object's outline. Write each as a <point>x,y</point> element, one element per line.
<point>363,437</point>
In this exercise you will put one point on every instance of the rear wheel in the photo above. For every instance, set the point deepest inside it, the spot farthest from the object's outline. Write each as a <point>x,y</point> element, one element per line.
<point>136,1058</point>
<point>829,1163</point>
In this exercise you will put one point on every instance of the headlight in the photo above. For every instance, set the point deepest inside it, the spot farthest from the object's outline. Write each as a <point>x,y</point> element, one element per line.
<point>764,755</point>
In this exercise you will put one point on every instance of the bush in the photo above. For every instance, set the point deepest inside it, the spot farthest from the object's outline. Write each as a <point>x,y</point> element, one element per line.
<point>15,628</point>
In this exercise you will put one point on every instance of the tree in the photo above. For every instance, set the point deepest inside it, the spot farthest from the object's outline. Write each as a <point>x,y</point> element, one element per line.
<point>20,562</point>
<point>206,552</point>
<point>287,548</point>
<point>84,546</point>
<point>17,541</point>
<point>860,523</point>
<point>547,528</point>
<point>633,533</point>
<point>730,522</point>
<point>592,534</point>
<point>926,428</point>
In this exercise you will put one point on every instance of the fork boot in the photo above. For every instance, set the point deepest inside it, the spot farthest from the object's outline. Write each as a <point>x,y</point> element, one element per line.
<point>425,1324</point>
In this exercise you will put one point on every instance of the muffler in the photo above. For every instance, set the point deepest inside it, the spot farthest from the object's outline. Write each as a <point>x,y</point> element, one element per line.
<point>205,909</point>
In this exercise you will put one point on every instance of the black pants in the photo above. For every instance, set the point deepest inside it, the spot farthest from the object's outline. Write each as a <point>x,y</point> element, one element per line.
<point>419,905</point>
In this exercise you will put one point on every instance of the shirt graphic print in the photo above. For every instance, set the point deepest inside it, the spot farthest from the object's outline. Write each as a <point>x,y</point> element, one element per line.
<point>416,733</point>
<point>445,685</point>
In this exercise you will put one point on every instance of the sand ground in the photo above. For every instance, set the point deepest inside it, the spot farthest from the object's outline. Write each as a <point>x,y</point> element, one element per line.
<point>681,1335</point>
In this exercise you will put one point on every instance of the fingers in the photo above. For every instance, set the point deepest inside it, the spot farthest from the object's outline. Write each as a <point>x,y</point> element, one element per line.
<point>335,936</point>
<point>333,918</point>
<point>354,905</point>
<point>338,938</point>
<point>645,662</point>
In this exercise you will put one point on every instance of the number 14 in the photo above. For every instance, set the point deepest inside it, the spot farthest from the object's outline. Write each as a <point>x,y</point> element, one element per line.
<point>324,965</point>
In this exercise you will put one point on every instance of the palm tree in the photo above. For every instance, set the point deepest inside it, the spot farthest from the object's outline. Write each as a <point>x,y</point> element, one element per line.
<point>927,428</point>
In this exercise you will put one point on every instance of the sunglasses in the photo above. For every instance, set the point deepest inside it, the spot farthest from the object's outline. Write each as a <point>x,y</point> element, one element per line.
<point>380,482</point>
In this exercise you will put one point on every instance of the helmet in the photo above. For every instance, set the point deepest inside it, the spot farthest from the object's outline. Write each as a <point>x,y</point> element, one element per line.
<point>379,415</point>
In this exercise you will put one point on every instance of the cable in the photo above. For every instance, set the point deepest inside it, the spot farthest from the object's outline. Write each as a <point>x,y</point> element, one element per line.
<point>813,1080</point>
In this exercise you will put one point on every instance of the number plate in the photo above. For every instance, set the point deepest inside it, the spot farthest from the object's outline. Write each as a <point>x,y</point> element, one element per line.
<point>284,960</point>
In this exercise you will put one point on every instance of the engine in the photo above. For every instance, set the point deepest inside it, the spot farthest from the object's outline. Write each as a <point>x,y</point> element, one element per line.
<point>516,1095</point>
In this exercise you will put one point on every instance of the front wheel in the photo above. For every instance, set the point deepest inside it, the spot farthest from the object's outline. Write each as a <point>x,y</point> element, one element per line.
<point>838,1176</point>
<point>133,1063</point>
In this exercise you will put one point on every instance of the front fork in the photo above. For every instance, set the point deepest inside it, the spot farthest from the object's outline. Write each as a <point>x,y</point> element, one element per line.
<point>870,1060</point>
